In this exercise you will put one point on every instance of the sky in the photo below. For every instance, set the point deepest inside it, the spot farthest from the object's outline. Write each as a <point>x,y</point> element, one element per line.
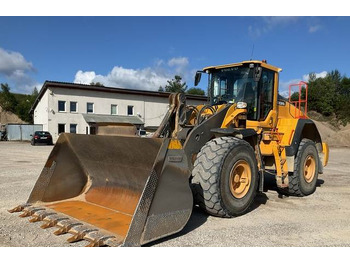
<point>143,52</point>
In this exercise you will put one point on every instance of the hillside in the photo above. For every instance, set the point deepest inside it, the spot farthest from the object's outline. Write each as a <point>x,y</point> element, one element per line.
<point>333,136</point>
<point>9,117</point>
<point>331,129</point>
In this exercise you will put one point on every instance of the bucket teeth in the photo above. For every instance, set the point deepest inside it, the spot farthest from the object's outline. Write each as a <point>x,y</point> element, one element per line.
<point>97,239</point>
<point>113,242</point>
<point>65,226</point>
<point>52,220</point>
<point>79,232</point>
<point>40,215</point>
<point>18,208</point>
<point>28,211</point>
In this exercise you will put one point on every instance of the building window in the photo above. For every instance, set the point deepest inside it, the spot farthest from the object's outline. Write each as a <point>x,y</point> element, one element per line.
<point>61,106</point>
<point>73,128</point>
<point>73,107</point>
<point>130,110</point>
<point>89,107</point>
<point>61,128</point>
<point>114,109</point>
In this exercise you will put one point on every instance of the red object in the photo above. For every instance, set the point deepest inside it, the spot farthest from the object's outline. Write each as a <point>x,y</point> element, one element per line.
<point>36,137</point>
<point>297,103</point>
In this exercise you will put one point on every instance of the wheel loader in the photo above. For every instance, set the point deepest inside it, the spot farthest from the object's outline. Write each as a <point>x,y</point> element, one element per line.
<point>129,191</point>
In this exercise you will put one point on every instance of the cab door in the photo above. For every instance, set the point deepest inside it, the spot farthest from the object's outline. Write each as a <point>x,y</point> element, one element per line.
<point>265,111</point>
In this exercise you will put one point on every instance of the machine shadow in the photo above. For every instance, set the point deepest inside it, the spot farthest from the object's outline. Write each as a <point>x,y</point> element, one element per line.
<point>270,183</point>
<point>198,218</point>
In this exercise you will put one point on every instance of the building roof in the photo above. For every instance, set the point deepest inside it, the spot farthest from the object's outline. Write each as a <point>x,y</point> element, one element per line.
<point>55,84</point>
<point>95,118</point>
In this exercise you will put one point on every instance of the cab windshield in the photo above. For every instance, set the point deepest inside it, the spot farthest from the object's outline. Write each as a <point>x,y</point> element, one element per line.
<point>232,85</point>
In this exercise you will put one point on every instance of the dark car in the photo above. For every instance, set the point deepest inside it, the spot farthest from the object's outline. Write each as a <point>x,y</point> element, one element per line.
<point>42,137</point>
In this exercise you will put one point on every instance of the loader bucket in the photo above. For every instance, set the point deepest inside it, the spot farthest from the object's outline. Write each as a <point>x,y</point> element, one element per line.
<point>110,190</point>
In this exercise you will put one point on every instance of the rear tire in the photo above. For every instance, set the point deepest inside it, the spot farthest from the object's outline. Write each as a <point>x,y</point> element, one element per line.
<point>225,177</point>
<point>302,182</point>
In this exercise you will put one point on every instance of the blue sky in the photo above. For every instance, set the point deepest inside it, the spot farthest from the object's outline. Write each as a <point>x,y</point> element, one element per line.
<point>144,52</point>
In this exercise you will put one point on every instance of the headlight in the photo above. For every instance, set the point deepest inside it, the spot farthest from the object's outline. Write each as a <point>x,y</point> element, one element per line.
<point>241,105</point>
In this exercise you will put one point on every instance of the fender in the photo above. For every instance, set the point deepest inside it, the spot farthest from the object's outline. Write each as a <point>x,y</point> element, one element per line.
<point>305,128</point>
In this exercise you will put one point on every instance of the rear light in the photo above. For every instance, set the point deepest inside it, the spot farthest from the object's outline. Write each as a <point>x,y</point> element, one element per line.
<point>36,137</point>
<point>48,136</point>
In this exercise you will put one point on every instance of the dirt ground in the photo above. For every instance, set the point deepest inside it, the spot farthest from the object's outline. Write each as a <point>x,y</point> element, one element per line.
<point>321,219</point>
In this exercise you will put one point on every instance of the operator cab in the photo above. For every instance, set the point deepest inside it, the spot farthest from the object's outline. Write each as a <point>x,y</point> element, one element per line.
<point>250,82</point>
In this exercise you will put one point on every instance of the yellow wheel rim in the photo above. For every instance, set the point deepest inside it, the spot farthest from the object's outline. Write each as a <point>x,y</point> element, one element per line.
<point>309,169</point>
<point>240,179</point>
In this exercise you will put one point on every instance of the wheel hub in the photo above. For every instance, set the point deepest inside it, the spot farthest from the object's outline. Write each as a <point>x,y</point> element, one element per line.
<point>240,179</point>
<point>309,169</point>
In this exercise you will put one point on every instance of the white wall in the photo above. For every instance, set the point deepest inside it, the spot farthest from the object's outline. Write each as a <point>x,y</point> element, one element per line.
<point>41,112</point>
<point>150,108</point>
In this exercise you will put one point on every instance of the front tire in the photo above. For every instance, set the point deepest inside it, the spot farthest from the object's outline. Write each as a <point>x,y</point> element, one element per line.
<point>225,177</point>
<point>302,182</point>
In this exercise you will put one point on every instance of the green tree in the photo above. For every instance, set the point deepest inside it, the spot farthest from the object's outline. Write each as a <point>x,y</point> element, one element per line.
<point>175,85</point>
<point>195,91</point>
<point>25,102</point>
<point>344,101</point>
<point>96,84</point>
<point>7,100</point>
<point>295,95</point>
<point>35,92</point>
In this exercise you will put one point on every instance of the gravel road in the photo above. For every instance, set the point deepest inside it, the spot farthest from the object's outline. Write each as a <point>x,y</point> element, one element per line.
<point>321,219</point>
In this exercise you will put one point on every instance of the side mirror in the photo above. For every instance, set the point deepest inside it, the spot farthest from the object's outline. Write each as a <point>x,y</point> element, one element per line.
<point>197,78</point>
<point>31,135</point>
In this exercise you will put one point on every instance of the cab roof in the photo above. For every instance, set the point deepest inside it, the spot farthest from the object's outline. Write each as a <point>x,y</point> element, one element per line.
<point>261,63</point>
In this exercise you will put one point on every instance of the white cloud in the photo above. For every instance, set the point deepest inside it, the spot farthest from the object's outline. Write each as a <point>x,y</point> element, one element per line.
<point>146,79</point>
<point>264,25</point>
<point>84,77</point>
<point>322,74</point>
<point>178,62</point>
<point>17,70</point>
<point>314,28</point>
<point>267,24</point>
<point>284,85</point>
<point>11,62</point>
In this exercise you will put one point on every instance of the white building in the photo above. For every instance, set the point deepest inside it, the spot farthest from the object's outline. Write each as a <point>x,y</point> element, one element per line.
<point>86,109</point>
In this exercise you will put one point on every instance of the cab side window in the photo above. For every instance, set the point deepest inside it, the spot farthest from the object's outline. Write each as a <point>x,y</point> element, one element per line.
<point>266,93</point>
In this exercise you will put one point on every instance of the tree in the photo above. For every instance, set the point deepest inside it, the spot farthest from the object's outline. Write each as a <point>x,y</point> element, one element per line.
<point>35,92</point>
<point>96,84</point>
<point>8,101</point>
<point>25,102</point>
<point>160,89</point>
<point>295,95</point>
<point>195,91</point>
<point>176,85</point>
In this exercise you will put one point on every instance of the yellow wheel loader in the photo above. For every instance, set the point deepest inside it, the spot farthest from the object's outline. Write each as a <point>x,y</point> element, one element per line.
<point>128,191</point>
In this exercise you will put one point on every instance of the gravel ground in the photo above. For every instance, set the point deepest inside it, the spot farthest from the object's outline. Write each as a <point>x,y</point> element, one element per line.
<point>321,219</point>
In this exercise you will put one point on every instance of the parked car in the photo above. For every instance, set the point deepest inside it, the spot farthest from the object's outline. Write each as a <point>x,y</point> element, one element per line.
<point>42,137</point>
